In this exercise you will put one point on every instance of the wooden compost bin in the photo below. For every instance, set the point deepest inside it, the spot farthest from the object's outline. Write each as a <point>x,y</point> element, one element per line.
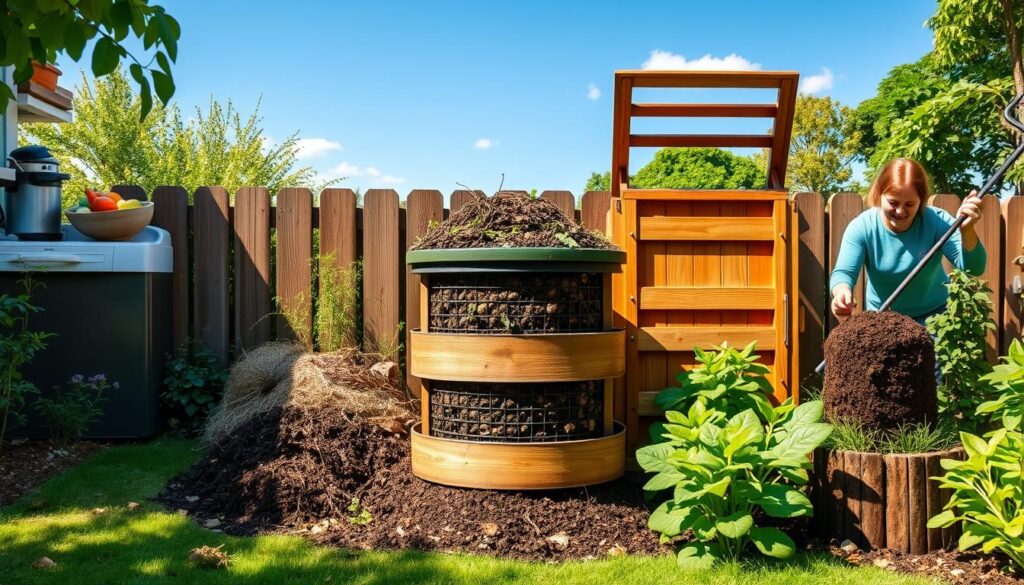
<point>703,267</point>
<point>517,358</point>
<point>881,501</point>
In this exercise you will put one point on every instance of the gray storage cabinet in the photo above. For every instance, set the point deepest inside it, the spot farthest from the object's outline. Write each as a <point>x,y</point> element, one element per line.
<point>109,306</point>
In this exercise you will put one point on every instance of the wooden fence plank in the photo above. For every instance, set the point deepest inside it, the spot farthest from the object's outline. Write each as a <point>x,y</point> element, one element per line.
<point>1013,220</point>
<point>130,192</point>
<point>462,197</point>
<point>842,208</point>
<point>594,211</point>
<point>948,203</point>
<point>423,207</point>
<point>897,516</point>
<point>338,226</point>
<point>381,270</point>
<point>171,213</point>
<point>813,281</point>
<point>990,232</point>
<point>917,502</point>
<point>211,270</point>
<point>872,497</point>
<point>252,267</point>
<point>563,200</point>
<point>294,271</point>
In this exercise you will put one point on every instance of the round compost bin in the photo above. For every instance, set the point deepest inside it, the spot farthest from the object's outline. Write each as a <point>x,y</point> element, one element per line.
<point>517,356</point>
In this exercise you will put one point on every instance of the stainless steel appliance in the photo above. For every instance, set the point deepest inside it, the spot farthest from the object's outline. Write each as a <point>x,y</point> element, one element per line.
<point>33,206</point>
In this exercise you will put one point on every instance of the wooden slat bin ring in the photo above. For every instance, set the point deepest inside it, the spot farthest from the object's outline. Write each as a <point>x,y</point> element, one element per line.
<point>516,358</point>
<point>881,501</point>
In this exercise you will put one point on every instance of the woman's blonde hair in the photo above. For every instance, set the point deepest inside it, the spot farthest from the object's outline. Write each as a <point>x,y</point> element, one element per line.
<point>896,175</point>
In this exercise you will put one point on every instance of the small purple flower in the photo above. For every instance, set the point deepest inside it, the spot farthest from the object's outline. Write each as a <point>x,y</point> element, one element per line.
<point>76,379</point>
<point>115,385</point>
<point>98,378</point>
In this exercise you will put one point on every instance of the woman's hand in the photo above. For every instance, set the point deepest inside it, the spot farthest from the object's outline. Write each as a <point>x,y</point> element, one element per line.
<point>971,209</point>
<point>842,301</point>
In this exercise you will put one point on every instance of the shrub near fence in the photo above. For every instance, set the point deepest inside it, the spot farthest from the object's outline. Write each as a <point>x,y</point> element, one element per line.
<point>224,288</point>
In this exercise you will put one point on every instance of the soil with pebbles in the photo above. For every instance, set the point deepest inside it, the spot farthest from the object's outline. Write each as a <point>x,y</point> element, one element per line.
<point>26,464</point>
<point>880,371</point>
<point>324,474</point>
<point>510,219</point>
<point>956,567</point>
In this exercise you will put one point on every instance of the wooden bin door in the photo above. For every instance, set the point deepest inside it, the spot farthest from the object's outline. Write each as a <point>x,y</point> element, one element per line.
<point>700,273</point>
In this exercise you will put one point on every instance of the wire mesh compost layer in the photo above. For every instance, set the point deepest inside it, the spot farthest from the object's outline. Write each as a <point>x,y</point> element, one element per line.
<point>494,303</point>
<point>517,413</point>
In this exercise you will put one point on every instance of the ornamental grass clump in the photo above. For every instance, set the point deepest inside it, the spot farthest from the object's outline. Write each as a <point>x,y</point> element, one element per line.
<point>728,455</point>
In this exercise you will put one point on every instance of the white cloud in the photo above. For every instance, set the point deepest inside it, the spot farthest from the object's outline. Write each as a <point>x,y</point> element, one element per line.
<point>371,175</point>
<point>372,171</point>
<point>344,169</point>
<point>483,144</point>
<point>668,61</point>
<point>313,147</point>
<point>593,92</point>
<point>818,83</point>
<point>389,180</point>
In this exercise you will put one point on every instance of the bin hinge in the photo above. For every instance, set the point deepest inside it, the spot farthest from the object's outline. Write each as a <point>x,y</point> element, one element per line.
<point>618,205</point>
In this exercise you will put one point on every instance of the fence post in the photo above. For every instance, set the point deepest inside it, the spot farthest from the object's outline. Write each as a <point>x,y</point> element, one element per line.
<point>811,233</point>
<point>424,206</point>
<point>594,211</point>
<point>381,269</point>
<point>294,272</point>
<point>211,270</point>
<point>563,200</point>
<point>170,212</point>
<point>1013,216</point>
<point>842,208</point>
<point>252,267</point>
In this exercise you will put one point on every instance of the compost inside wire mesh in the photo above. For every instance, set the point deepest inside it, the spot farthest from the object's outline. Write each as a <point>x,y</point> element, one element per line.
<point>495,303</point>
<point>517,413</point>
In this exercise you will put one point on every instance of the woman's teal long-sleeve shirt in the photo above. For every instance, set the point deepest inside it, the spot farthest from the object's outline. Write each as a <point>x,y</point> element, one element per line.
<point>889,256</point>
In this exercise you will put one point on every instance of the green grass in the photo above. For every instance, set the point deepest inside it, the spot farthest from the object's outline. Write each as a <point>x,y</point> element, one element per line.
<point>151,545</point>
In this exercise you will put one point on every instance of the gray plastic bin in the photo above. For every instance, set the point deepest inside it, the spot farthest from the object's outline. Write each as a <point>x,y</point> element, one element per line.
<point>109,304</point>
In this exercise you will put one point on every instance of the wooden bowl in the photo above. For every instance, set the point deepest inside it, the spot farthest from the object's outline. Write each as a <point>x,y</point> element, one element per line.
<point>112,225</point>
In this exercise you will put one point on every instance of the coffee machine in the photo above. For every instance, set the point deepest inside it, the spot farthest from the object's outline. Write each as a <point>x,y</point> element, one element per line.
<point>31,209</point>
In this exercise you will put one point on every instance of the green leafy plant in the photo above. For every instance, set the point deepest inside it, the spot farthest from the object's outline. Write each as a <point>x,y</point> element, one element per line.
<point>960,347</point>
<point>42,29</point>
<point>18,346</point>
<point>358,514</point>
<point>193,386</point>
<point>1007,388</point>
<point>335,325</point>
<point>725,467</point>
<point>73,408</point>
<point>987,494</point>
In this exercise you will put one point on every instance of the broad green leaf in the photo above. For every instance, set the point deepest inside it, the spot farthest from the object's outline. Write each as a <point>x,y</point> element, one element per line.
<point>735,525</point>
<point>105,57</point>
<point>943,520</point>
<point>695,556</point>
<point>973,535</point>
<point>802,441</point>
<point>668,519</point>
<point>653,457</point>
<point>783,501</point>
<point>663,481</point>
<point>772,542</point>
<point>719,487</point>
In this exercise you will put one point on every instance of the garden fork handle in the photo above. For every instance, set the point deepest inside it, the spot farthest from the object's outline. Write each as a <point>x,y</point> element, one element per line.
<point>1008,114</point>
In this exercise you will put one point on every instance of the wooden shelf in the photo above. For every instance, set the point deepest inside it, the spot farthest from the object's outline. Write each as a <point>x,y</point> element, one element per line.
<point>33,109</point>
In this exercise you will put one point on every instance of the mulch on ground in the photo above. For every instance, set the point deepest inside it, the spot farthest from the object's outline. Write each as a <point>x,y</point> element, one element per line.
<point>959,568</point>
<point>880,371</point>
<point>26,464</point>
<point>349,483</point>
<point>510,219</point>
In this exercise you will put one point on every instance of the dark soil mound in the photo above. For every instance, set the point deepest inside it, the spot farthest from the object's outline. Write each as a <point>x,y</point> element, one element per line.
<point>881,371</point>
<point>299,471</point>
<point>510,220</point>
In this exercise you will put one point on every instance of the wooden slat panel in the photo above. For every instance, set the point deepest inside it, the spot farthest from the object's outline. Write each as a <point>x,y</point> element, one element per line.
<point>842,208</point>
<point>735,270</point>
<point>728,227</point>
<point>852,484</point>
<point>752,79</point>
<point>872,499</point>
<point>897,516</point>
<point>294,273</point>
<point>130,192</point>
<point>630,316</point>
<point>594,210</point>
<point>934,500</point>
<point>646,406</point>
<point>700,140</point>
<point>917,504</point>
<point>423,206</point>
<point>990,232</point>
<point>252,267</point>
<point>462,197</point>
<point>620,142</point>
<point>380,270</point>
<point>338,226</point>
<point>211,270</point>
<point>671,338</point>
<point>171,213</point>
<point>651,271</point>
<point>780,367</point>
<point>679,272</point>
<point>563,200</point>
<point>813,280</point>
<point>669,195</point>
<point>1013,246</point>
<point>706,298</point>
<point>704,110</point>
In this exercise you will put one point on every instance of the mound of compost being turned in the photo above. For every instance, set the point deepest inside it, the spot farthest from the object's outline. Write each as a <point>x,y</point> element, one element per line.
<point>346,482</point>
<point>510,220</point>
<point>880,371</point>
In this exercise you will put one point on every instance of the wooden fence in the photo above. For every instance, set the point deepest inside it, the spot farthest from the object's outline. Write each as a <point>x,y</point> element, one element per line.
<point>224,289</point>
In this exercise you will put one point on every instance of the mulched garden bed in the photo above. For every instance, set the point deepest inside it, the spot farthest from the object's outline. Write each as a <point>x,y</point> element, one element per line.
<point>26,464</point>
<point>959,568</point>
<point>349,483</point>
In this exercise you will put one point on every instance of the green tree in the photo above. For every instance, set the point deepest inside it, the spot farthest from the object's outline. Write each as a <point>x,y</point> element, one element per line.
<point>599,182</point>
<point>698,168</point>
<point>43,29</point>
<point>824,145</point>
<point>108,144</point>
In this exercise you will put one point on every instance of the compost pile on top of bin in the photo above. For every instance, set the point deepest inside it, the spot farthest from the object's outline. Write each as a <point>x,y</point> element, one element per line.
<point>510,219</point>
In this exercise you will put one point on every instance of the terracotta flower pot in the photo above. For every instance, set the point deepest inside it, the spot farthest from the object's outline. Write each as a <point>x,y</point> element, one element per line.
<point>45,75</point>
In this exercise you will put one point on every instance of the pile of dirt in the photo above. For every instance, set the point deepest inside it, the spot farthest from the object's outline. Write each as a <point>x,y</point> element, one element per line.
<point>26,464</point>
<point>510,219</point>
<point>881,371</point>
<point>344,481</point>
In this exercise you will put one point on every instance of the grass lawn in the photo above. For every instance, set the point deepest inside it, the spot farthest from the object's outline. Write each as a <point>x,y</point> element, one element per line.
<point>151,545</point>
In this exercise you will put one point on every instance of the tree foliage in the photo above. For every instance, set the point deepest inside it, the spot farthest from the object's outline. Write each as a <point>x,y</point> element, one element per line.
<point>698,168</point>
<point>599,182</point>
<point>824,146</point>
<point>109,144</point>
<point>43,29</point>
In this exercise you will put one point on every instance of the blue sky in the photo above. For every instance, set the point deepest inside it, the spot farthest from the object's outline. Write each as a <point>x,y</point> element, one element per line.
<point>409,95</point>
